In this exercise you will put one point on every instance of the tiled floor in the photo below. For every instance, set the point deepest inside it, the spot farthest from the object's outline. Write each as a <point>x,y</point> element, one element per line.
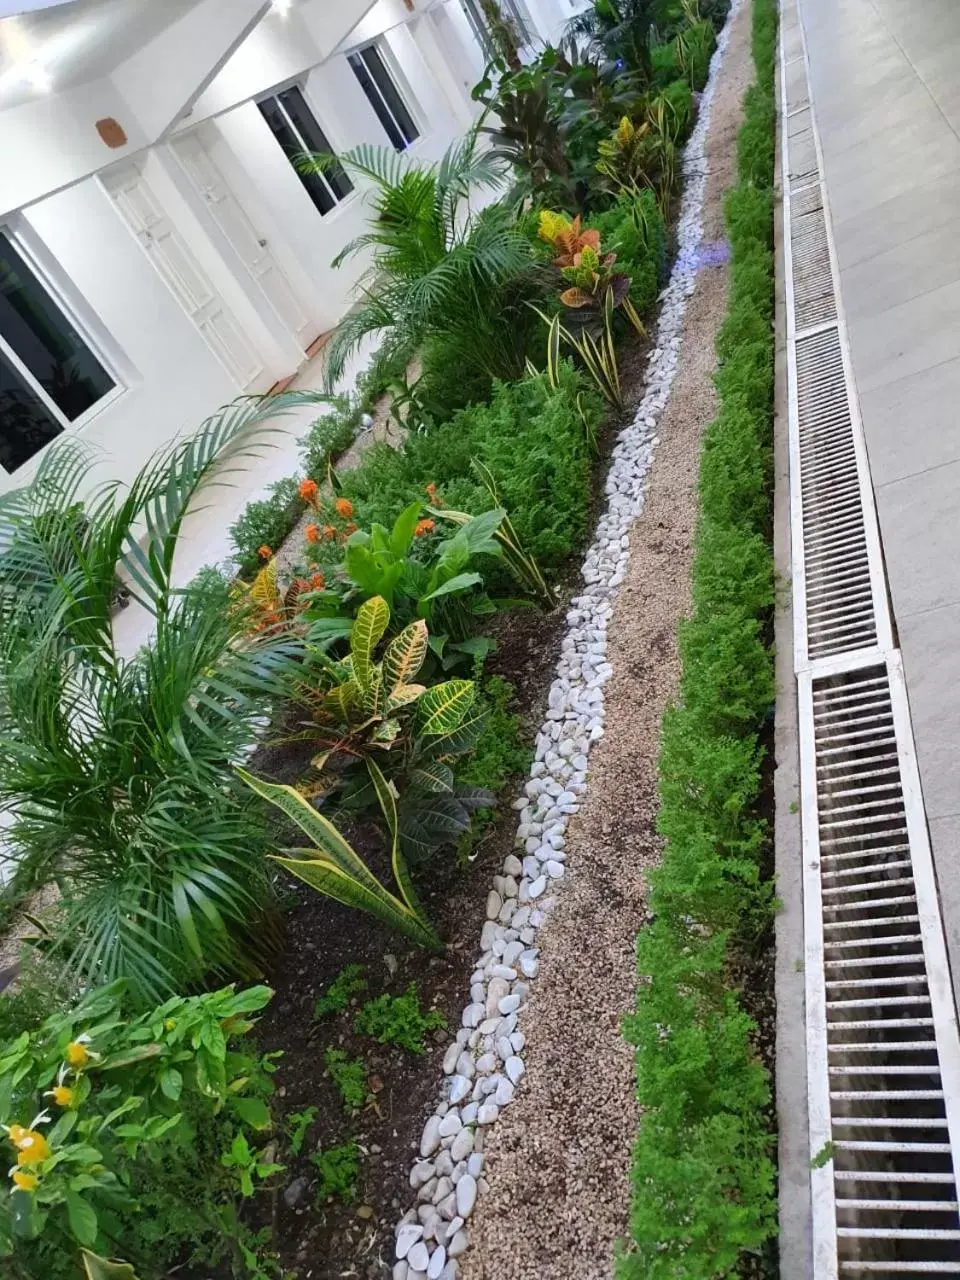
<point>885,81</point>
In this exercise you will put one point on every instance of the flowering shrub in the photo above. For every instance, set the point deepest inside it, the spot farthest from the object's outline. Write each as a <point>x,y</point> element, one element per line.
<point>115,1130</point>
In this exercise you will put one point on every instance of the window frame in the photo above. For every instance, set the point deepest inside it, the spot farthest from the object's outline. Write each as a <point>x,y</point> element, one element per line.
<point>402,90</point>
<point>273,95</point>
<point>50,285</point>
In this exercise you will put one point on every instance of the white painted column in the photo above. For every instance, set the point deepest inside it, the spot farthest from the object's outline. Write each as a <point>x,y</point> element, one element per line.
<point>452,85</point>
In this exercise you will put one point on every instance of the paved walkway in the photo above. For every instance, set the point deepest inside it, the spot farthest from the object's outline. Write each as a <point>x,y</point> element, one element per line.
<point>885,83</point>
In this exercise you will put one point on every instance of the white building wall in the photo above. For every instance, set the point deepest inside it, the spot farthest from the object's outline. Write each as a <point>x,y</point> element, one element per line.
<point>172,379</point>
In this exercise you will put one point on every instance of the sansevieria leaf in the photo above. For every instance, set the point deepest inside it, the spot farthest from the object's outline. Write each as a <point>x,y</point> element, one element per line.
<point>404,656</point>
<point>371,622</point>
<point>443,706</point>
<point>334,867</point>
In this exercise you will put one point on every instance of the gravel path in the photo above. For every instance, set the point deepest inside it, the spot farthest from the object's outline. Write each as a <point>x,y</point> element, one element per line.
<point>558,1161</point>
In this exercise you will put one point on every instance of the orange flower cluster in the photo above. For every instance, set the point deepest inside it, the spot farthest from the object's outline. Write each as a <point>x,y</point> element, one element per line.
<point>423,527</point>
<point>312,533</point>
<point>343,508</point>
<point>433,495</point>
<point>265,552</point>
<point>309,490</point>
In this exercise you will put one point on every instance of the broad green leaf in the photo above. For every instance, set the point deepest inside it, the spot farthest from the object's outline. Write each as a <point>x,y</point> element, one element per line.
<point>252,1111</point>
<point>171,1082</point>
<point>126,1057</point>
<point>432,776</point>
<point>443,707</point>
<point>403,529</point>
<point>82,1218</point>
<point>462,582</point>
<point>404,656</point>
<point>479,532</point>
<point>250,1000</point>
<point>98,1268</point>
<point>371,622</point>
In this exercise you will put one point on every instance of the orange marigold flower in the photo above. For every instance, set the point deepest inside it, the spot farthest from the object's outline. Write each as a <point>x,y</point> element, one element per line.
<point>423,526</point>
<point>25,1181</point>
<point>312,532</point>
<point>318,582</point>
<point>264,552</point>
<point>328,532</point>
<point>309,489</point>
<point>343,508</point>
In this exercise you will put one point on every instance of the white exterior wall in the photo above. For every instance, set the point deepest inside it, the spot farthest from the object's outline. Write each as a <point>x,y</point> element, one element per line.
<point>171,378</point>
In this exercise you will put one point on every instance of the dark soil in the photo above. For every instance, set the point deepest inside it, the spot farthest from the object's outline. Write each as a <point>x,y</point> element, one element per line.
<point>312,1240</point>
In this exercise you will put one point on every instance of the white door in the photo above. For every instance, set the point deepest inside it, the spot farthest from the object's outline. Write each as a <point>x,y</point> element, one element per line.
<point>252,247</point>
<point>187,280</point>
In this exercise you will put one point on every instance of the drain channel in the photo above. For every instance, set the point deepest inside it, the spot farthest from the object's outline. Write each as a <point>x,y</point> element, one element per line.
<point>882,1042</point>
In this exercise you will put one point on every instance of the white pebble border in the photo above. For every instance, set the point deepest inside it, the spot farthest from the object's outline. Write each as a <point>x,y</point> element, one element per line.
<point>484,1064</point>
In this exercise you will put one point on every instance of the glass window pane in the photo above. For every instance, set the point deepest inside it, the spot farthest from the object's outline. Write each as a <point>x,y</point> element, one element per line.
<point>26,424</point>
<point>43,338</point>
<point>383,115</point>
<point>391,94</point>
<point>316,188</point>
<point>316,140</point>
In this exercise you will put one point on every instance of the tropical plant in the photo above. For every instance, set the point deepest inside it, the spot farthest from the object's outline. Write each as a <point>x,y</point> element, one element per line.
<point>620,32</point>
<point>588,272</point>
<point>597,354</point>
<point>365,710</point>
<point>421,575</point>
<point>109,1117</point>
<point>115,770</point>
<point>334,868</point>
<point>439,267</point>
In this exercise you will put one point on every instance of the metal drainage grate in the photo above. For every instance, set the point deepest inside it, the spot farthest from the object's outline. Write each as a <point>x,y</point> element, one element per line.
<point>886,1113</point>
<point>803,167</point>
<point>813,297</point>
<point>837,581</point>
<point>795,85</point>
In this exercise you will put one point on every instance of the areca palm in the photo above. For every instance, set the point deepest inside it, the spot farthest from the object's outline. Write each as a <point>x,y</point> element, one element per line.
<point>440,268</point>
<point>116,771</point>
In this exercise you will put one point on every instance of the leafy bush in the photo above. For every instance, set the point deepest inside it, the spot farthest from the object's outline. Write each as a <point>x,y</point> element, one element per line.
<point>266,522</point>
<point>533,440</point>
<point>339,1169</point>
<point>330,435</point>
<point>149,1148</point>
<point>349,1079</point>
<point>633,228</point>
<point>703,1181</point>
<point>398,1020</point>
<point>349,982</point>
<point>500,752</point>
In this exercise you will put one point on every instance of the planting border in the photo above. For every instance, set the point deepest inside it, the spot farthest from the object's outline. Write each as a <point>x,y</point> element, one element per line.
<point>484,1065</point>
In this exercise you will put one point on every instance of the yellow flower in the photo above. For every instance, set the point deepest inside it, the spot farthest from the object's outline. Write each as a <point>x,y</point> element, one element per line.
<point>16,1132</point>
<point>25,1181</point>
<point>63,1096</point>
<point>33,1148</point>
<point>169,1024</point>
<point>77,1053</point>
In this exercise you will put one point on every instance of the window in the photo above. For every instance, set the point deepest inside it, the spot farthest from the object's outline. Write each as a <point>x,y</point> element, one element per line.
<point>384,96</point>
<point>49,377</point>
<point>294,126</point>
<point>510,12</point>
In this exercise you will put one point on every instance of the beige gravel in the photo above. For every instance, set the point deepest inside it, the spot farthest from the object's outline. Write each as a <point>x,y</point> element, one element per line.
<point>558,1160</point>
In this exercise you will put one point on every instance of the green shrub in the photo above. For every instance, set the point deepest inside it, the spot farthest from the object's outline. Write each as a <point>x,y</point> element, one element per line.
<point>501,752</point>
<point>330,435</point>
<point>266,523</point>
<point>530,436</point>
<point>349,1079</point>
<point>339,1169</point>
<point>398,1020</point>
<point>349,982</point>
<point>704,1186</point>
<point>153,1135</point>
<point>445,385</point>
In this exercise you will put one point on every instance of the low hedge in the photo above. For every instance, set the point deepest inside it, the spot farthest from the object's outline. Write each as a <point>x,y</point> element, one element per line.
<point>704,1185</point>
